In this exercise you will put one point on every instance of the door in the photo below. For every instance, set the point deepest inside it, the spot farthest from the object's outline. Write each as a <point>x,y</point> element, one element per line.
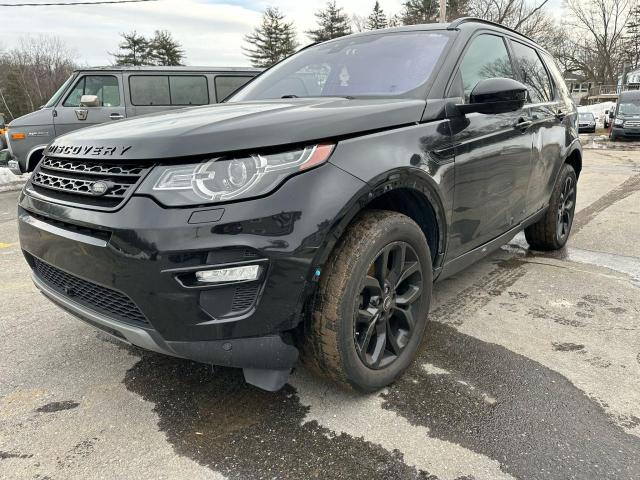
<point>70,115</point>
<point>492,153</point>
<point>547,109</point>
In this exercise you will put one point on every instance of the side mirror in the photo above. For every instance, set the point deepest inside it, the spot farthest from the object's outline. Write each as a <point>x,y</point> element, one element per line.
<point>90,101</point>
<point>495,95</point>
<point>611,115</point>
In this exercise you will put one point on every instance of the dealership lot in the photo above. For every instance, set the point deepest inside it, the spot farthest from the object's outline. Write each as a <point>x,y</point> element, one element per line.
<point>530,370</point>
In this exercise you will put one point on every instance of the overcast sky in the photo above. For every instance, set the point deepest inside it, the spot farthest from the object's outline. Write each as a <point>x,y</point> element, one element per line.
<point>211,31</point>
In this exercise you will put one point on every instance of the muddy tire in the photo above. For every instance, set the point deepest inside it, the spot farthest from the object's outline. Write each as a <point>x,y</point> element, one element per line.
<point>369,315</point>
<point>552,231</point>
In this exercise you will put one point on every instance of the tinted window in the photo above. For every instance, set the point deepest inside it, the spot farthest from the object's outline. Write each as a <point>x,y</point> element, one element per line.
<point>225,86</point>
<point>188,90</point>
<point>149,90</point>
<point>486,57</point>
<point>533,73</point>
<point>559,82</point>
<point>377,64</point>
<point>105,87</point>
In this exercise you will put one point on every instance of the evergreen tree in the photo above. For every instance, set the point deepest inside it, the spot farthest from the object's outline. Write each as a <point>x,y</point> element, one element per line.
<point>420,11</point>
<point>632,38</point>
<point>272,41</point>
<point>164,50</point>
<point>133,50</point>
<point>377,19</point>
<point>333,22</point>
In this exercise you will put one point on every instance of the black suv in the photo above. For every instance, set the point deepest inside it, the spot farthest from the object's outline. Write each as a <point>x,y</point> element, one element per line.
<point>310,214</point>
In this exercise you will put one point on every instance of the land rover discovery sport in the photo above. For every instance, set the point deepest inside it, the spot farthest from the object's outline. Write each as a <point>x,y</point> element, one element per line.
<point>310,214</point>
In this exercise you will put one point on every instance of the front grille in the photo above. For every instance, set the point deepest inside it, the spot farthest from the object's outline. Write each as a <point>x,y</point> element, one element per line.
<point>632,124</point>
<point>70,181</point>
<point>95,297</point>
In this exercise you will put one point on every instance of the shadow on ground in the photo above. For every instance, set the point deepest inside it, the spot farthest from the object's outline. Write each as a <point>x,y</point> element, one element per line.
<point>484,397</point>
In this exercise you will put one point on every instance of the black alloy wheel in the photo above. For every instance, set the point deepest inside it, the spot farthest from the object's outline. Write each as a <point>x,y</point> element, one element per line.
<point>387,305</point>
<point>566,207</point>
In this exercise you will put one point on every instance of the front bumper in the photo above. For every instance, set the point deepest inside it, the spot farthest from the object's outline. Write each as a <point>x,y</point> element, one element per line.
<point>143,251</point>
<point>626,132</point>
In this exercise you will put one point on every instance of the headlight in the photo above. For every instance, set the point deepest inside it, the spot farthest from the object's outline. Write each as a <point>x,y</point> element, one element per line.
<point>618,121</point>
<point>228,178</point>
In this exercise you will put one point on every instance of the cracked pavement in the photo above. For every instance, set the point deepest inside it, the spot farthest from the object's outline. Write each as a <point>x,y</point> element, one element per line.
<point>530,370</point>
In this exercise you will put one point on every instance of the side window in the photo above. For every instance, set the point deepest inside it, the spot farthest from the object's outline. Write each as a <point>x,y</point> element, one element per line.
<point>226,85</point>
<point>486,57</point>
<point>147,90</point>
<point>105,87</point>
<point>560,84</point>
<point>188,90</point>
<point>533,73</point>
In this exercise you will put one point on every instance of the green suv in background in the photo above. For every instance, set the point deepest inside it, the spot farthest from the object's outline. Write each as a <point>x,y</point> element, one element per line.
<point>105,94</point>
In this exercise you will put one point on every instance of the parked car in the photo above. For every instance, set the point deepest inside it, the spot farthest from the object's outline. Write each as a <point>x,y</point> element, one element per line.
<point>310,216</point>
<point>106,94</point>
<point>626,116</point>
<point>586,122</point>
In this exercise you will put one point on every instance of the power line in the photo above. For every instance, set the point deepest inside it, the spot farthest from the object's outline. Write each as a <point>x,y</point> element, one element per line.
<point>64,4</point>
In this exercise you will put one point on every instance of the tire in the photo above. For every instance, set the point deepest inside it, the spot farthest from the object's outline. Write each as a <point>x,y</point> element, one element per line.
<point>613,137</point>
<point>345,342</point>
<point>552,231</point>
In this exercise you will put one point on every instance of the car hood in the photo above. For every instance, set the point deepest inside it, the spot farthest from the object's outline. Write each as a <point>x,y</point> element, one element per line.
<point>228,127</point>
<point>44,116</point>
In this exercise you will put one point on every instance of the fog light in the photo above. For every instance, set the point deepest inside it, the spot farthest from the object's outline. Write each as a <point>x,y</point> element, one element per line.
<point>225,275</point>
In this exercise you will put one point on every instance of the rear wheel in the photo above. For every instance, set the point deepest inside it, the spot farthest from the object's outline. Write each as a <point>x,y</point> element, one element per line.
<point>372,305</point>
<point>552,231</point>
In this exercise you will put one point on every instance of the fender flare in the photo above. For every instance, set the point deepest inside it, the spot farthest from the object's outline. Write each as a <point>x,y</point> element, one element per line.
<point>414,179</point>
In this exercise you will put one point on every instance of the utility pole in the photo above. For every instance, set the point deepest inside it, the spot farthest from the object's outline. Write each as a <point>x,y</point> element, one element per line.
<point>443,11</point>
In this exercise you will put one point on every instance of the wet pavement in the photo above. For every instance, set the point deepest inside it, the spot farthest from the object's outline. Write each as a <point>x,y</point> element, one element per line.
<point>530,370</point>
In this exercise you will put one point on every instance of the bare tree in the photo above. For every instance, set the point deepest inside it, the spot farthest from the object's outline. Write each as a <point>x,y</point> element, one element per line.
<point>31,72</point>
<point>359,22</point>
<point>521,15</point>
<point>598,37</point>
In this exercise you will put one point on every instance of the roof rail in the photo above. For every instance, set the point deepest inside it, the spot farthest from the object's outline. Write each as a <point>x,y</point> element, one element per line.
<point>459,21</point>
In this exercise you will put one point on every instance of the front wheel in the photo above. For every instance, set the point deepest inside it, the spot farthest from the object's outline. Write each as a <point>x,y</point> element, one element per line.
<point>552,231</point>
<point>371,309</point>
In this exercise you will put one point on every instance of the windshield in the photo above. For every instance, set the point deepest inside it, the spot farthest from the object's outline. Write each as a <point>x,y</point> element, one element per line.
<point>56,96</point>
<point>629,108</point>
<point>370,65</point>
<point>586,116</point>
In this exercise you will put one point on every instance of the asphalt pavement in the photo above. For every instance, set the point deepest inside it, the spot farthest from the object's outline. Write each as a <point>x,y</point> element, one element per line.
<point>530,370</point>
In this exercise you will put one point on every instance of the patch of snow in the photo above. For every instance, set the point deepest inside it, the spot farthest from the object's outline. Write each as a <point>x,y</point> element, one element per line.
<point>9,181</point>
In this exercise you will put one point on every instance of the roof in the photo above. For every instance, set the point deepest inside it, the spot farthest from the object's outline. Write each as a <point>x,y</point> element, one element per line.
<point>128,68</point>
<point>454,25</point>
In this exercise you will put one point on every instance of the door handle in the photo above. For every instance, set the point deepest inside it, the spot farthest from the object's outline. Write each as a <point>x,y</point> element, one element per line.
<point>116,116</point>
<point>522,124</point>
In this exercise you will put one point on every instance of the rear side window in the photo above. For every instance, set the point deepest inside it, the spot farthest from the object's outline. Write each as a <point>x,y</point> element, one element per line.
<point>226,85</point>
<point>149,90</point>
<point>188,90</point>
<point>533,73</point>
<point>486,57</point>
<point>164,90</point>
<point>105,87</point>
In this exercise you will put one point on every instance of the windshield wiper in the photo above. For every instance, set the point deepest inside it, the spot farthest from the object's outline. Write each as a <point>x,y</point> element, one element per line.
<point>290,96</point>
